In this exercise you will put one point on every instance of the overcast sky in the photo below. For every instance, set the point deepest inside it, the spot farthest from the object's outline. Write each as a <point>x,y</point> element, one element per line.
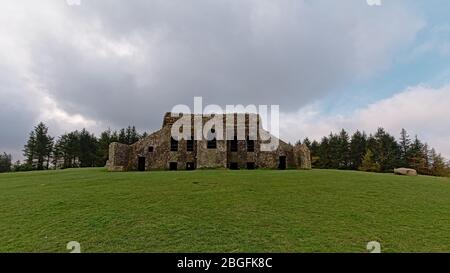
<point>328,64</point>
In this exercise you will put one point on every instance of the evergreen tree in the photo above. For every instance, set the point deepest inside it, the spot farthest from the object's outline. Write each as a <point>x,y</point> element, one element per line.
<point>106,138</point>
<point>418,157</point>
<point>334,150</point>
<point>368,163</point>
<point>343,150</point>
<point>307,143</point>
<point>122,137</point>
<point>427,160</point>
<point>324,161</point>
<point>315,147</point>
<point>114,137</point>
<point>358,147</point>
<point>438,165</point>
<point>55,154</point>
<point>29,149</point>
<point>60,153</point>
<point>127,136</point>
<point>405,144</point>
<point>133,135</point>
<point>87,149</point>
<point>44,146</point>
<point>68,150</point>
<point>39,147</point>
<point>5,163</point>
<point>387,153</point>
<point>372,143</point>
<point>73,148</point>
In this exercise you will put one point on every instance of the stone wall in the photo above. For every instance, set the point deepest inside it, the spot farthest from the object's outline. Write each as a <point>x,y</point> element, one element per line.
<point>242,156</point>
<point>302,156</point>
<point>161,156</point>
<point>119,155</point>
<point>211,158</point>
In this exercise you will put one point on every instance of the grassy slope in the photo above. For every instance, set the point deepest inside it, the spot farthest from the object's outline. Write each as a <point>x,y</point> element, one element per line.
<point>223,211</point>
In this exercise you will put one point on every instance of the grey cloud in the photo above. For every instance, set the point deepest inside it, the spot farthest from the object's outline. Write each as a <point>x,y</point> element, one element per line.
<point>16,116</point>
<point>230,52</point>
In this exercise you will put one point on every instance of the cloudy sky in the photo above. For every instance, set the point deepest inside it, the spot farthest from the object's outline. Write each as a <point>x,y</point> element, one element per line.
<point>329,64</point>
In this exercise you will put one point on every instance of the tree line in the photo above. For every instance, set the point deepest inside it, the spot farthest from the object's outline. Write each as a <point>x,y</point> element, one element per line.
<point>379,152</point>
<point>75,149</point>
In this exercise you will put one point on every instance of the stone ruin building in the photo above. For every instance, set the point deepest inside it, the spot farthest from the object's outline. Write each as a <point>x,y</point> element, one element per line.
<point>160,151</point>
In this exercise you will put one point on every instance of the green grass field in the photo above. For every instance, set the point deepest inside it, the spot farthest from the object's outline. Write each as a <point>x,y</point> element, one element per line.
<point>223,211</point>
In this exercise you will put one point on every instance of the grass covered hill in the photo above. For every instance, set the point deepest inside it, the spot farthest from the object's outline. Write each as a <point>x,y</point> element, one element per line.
<point>223,211</point>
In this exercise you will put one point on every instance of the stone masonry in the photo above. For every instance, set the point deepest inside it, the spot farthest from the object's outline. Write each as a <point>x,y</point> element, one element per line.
<point>159,151</point>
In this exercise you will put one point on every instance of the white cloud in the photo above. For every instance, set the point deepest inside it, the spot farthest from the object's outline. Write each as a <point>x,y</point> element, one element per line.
<point>420,110</point>
<point>52,114</point>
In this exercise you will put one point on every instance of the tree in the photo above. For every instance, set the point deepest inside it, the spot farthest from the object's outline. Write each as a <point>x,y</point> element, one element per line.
<point>80,149</point>
<point>380,152</point>
<point>426,159</point>
<point>5,163</point>
<point>343,150</point>
<point>418,156</point>
<point>122,137</point>
<point>387,152</point>
<point>307,143</point>
<point>315,146</point>
<point>87,149</point>
<point>44,145</point>
<point>438,165</point>
<point>106,138</point>
<point>358,148</point>
<point>67,150</point>
<point>132,136</point>
<point>334,151</point>
<point>323,154</point>
<point>38,149</point>
<point>368,163</point>
<point>127,135</point>
<point>22,167</point>
<point>404,143</point>
<point>114,137</point>
<point>29,148</point>
<point>59,152</point>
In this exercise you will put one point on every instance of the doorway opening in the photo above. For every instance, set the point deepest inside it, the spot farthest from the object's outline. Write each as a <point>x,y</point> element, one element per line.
<point>173,166</point>
<point>251,166</point>
<point>141,163</point>
<point>282,163</point>
<point>234,166</point>
<point>190,166</point>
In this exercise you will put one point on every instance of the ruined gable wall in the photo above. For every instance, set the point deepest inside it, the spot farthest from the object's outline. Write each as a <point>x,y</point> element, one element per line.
<point>302,156</point>
<point>119,155</point>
